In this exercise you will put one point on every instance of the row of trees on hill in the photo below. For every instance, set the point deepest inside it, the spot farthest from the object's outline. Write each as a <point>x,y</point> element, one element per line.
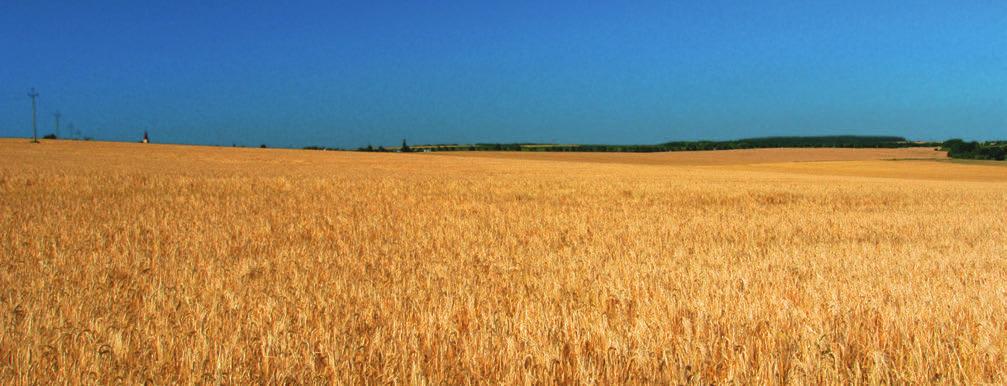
<point>988,150</point>
<point>842,141</point>
<point>401,149</point>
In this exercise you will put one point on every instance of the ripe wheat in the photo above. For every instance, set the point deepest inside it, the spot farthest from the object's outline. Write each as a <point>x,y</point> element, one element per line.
<point>132,263</point>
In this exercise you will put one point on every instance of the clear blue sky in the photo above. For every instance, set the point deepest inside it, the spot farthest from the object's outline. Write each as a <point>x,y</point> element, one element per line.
<point>351,73</point>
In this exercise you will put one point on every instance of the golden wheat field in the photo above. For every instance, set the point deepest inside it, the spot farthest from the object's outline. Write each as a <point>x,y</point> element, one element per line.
<point>129,263</point>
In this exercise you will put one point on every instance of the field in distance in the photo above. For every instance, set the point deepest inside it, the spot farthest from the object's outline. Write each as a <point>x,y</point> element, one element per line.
<point>718,157</point>
<point>182,264</point>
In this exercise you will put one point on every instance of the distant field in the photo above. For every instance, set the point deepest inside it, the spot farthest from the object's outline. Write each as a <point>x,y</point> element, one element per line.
<point>717,157</point>
<point>943,170</point>
<point>129,263</point>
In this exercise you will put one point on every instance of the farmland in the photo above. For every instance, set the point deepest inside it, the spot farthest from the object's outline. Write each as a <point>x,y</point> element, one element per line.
<point>177,264</point>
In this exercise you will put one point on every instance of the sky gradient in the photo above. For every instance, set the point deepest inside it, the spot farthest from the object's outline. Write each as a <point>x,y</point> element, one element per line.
<point>348,74</point>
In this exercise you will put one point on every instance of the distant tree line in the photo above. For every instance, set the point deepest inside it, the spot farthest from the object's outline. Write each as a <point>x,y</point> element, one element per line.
<point>401,149</point>
<point>988,150</point>
<point>840,141</point>
<point>54,136</point>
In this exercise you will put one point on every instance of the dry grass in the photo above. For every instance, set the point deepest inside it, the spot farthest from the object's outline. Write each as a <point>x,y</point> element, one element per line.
<point>126,263</point>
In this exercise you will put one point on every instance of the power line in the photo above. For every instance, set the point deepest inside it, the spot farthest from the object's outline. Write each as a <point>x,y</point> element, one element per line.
<point>34,130</point>
<point>57,115</point>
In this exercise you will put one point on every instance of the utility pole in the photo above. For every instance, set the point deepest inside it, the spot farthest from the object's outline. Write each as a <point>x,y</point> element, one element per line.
<point>34,130</point>
<point>57,115</point>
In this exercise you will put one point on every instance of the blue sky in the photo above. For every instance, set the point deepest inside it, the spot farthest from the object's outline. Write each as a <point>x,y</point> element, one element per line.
<point>349,74</point>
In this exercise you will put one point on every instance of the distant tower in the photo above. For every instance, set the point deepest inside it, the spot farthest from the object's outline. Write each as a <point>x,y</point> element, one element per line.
<point>146,139</point>
<point>34,130</point>
<point>57,115</point>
